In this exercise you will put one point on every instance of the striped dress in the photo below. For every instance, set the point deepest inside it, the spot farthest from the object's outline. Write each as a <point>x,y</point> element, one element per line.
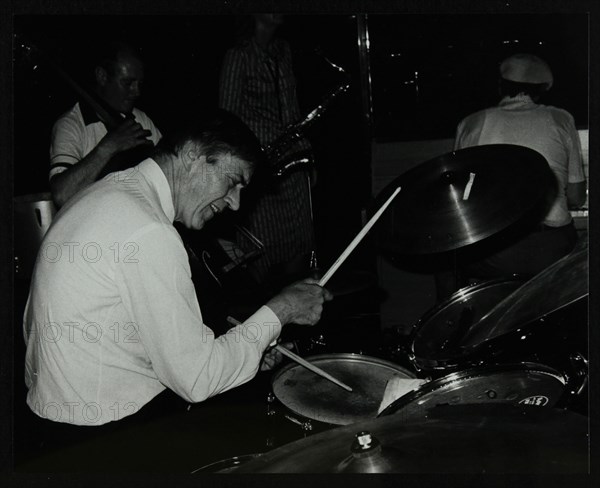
<point>258,85</point>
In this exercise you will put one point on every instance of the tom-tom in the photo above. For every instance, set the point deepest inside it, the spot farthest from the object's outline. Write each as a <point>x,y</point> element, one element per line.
<point>313,401</point>
<point>519,384</point>
<point>436,338</point>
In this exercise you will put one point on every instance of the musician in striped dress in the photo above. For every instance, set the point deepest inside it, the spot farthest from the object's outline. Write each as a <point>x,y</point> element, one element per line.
<point>257,83</point>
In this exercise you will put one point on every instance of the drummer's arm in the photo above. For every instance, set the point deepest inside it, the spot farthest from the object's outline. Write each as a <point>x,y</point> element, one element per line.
<point>183,352</point>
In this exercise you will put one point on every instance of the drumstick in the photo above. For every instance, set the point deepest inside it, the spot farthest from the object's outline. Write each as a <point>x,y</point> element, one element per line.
<point>356,240</point>
<point>300,361</point>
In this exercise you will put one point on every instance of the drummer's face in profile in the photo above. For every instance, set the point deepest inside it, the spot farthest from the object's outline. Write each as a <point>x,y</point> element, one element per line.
<point>210,185</point>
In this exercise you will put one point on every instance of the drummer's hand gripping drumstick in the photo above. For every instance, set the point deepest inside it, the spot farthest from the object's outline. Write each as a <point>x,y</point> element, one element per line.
<point>357,239</point>
<point>301,361</point>
<point>322,282</point>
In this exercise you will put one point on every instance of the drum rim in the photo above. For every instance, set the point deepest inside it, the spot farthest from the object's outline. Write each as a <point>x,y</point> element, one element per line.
<point>473,372</point>
<point>347,356</point>
<point>420,362</point>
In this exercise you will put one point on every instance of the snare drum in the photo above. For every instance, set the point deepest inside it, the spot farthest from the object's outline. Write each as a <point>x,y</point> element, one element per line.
<point>520,383</point>
<point>436,337</point>
<point>308,397</point>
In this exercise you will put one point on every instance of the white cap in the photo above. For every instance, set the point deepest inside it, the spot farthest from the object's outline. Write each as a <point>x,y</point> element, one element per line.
<point>526,68</point>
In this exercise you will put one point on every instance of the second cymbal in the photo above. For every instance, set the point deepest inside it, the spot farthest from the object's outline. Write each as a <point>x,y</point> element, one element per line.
<point>462,197</point>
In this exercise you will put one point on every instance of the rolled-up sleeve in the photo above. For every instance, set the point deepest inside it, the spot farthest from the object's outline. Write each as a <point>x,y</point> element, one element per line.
<point>65,145</point>
<point>157,291</point>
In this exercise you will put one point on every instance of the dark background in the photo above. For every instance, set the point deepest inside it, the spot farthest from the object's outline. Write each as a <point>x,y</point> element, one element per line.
<point>172,78</point>
<point>455,57</point>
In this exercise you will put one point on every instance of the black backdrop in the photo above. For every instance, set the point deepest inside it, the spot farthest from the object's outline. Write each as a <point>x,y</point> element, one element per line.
<point>455,56</point>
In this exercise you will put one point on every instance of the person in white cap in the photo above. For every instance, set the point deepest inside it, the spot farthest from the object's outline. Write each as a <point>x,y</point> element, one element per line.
<point>519,119</point>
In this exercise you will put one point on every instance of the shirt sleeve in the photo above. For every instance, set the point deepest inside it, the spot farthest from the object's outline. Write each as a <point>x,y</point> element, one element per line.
<point>575,156</point>
<point>232,81</point>
<point>158,292</point>
<point>65,145</point>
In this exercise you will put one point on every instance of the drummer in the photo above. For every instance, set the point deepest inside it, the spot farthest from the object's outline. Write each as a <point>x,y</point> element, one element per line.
<point>519,119</point>
<point>112,321</point>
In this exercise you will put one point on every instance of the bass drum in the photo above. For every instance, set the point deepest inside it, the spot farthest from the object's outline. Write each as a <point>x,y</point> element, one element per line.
<point>519,384</point>
<point>436,338</point>
<point>308,397</point>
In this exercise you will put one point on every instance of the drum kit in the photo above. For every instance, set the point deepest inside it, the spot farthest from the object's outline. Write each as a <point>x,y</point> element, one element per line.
<point>492,367</point>
<point>497,364</point>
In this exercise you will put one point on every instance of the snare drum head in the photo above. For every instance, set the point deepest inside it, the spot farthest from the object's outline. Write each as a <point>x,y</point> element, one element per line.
<point>522,383</point>
<point>312,396</point>
<point>436,337</point>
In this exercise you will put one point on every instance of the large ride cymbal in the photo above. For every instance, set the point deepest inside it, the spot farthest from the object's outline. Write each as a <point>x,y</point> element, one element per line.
<point>451,439</point>
<point>462,197</point>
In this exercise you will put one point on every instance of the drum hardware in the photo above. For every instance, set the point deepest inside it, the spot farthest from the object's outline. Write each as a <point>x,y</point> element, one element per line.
<point>517,383</point>
<point>318,341</point>
<point>478,439</point>
<point>579,370</point>
<point>226,465</point>
<point>305,424</point>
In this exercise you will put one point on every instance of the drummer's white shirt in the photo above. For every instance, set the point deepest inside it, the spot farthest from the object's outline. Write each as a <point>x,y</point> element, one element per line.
<point>112,317</point>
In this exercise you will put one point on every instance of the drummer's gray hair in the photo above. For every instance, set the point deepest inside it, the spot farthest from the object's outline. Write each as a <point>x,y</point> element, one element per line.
<point>217,132</point>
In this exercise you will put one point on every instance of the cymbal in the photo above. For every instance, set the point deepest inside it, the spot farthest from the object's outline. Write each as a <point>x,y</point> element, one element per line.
<point>451,439</point>
<point>560,285</point>
<point>462,197</point>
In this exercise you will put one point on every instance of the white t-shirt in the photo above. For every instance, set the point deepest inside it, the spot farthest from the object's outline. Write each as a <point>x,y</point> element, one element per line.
<point>548,130</point>
<point>79,130</point>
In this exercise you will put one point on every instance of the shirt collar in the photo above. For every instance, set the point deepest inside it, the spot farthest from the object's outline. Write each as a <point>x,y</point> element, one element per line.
<point>518,101</point>
<point>88,114</point>
<point>152,172</point>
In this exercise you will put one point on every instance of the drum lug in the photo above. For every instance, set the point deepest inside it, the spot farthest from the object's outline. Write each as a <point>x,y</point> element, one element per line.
<point>577,381</point>
<point>271,410</point>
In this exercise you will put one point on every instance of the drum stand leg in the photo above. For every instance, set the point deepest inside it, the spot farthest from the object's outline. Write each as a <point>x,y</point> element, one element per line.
<point>271,411</point>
